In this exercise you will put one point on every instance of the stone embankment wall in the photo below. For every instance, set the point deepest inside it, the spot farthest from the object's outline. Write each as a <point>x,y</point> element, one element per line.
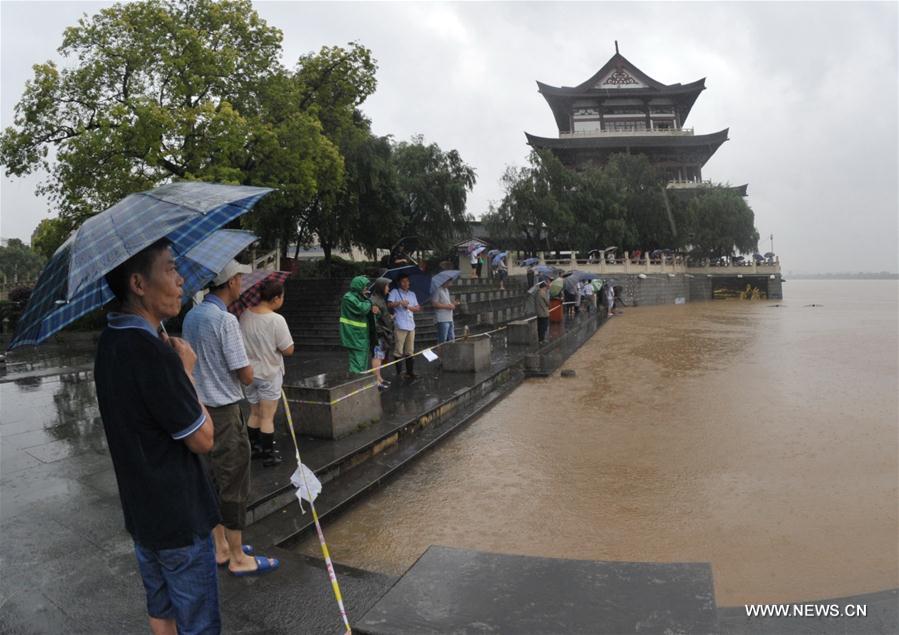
<point>667,288</point>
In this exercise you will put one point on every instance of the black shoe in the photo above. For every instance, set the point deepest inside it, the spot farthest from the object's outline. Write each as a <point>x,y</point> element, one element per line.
<point>256,451</point>
<point>271,458</point>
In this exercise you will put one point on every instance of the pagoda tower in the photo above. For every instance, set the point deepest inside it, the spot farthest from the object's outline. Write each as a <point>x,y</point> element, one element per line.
<point>621,109</point>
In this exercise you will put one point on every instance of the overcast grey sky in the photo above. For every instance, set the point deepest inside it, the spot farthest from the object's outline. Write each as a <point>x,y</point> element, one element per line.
<point>808,90</point>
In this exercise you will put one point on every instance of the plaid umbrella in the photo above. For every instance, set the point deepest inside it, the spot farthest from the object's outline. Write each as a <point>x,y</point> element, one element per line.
<point>203,262</point>
<point>73,284</point>
<point>251,286</point>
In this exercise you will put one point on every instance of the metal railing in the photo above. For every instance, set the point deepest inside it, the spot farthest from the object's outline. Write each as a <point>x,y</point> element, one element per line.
<point>668,132</point>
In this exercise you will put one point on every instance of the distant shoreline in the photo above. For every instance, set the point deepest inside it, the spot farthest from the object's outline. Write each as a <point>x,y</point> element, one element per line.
<point>843,276</point>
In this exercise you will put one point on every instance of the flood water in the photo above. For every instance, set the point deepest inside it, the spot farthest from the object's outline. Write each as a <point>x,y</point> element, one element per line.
<point>760,438</point>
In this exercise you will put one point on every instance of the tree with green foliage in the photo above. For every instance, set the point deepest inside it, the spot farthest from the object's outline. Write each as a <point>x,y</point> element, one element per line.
<point>19,263</point>
<point>331,85</point>
<point>157,90</point>
<point>535,212</point>
<point>433,186</point>
<point>49,234</point>
<point>623,203</point>
<point>720,224</point>
<point>641,186</point>
<point>598,203</point>
<point>170,89</point>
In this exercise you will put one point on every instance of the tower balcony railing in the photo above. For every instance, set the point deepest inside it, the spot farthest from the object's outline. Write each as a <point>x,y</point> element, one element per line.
<point>689,184</point>
<point>667,132</point>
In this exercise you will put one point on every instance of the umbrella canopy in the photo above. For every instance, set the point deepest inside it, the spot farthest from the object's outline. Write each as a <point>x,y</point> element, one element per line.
<point>73,284</point>
<point>769,254</point>
<point>528,262</point>
<point>499,257</point>
<point>546,271</point>
<point>555,288</point>
<point>597,284</point>
<point>477,250</point>
<point>441,277</point>
<point>250,287</point>
<point>570,284</point>
<point>584,276</point>
<point>205,259</point>
<point>492,253</point>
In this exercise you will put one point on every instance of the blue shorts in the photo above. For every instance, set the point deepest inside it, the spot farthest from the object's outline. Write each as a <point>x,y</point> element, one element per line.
<point>182,584</point>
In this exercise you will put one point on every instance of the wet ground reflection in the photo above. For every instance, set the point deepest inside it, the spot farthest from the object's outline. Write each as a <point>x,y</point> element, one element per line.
<point>762,439</point>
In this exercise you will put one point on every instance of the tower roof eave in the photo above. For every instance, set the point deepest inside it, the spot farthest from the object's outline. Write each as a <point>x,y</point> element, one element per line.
<point>591,91</point>
<point>560,99</point>
<point>610,143</point>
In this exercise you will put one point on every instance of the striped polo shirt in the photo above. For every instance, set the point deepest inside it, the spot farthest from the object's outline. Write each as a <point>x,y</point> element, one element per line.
<point>215,337</point>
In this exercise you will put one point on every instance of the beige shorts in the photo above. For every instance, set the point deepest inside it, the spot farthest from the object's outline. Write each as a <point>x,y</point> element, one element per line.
<point>404,342</point>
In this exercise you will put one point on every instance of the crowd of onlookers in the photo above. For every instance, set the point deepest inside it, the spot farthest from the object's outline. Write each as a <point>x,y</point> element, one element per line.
<point>181,447</point>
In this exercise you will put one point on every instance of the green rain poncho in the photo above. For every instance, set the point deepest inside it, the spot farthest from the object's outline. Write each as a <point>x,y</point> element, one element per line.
<point>356,321</point>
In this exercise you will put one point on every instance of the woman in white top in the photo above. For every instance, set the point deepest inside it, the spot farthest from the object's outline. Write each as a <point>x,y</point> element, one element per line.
<point>267,341</point>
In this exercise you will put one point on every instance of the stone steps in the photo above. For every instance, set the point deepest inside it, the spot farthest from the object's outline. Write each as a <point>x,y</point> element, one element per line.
<point>364,459</point>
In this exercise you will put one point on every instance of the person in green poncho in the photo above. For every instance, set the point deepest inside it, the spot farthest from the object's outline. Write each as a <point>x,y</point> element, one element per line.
<point>357,327</point>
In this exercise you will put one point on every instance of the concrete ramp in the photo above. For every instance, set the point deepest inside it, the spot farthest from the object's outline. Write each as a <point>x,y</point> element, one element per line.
<point>460,591</point>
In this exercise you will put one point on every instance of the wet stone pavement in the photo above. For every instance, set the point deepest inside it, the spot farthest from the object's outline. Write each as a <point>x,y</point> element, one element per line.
<point>66,561</point>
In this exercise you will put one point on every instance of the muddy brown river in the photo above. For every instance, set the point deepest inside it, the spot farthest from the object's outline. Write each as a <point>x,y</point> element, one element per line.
<point>759,438</point>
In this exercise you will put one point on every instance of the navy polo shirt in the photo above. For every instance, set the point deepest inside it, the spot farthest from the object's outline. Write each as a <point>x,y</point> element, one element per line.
<point>149,406</point>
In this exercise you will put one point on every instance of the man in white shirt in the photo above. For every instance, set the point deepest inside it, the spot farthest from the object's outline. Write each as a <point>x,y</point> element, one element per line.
<point>444,306</point>
<point>404,305</point>
<point>589,296</point>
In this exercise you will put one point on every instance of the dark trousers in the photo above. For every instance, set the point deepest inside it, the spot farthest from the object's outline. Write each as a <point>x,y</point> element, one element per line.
<point>542,328</point>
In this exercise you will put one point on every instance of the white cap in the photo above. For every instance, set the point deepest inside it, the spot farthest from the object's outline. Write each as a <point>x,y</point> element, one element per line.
<point>231,269</point>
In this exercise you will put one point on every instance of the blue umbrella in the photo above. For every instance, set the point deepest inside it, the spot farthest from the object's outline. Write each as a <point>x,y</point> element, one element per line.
<point>441,277</point>
<point>499,257</point>
<point>527,262</point>
<point>546,271</point>
<point>205,259</point>
<point>73,284</point>
<point>492,253</point>
<point>581,276</point>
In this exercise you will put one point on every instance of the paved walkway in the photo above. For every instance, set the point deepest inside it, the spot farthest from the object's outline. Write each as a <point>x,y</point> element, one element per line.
<point>66,562</point>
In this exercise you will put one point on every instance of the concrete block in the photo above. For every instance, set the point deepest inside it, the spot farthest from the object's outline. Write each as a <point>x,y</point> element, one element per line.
<point>522,332</point>
<point>466,356</point>
<point>332,406</point>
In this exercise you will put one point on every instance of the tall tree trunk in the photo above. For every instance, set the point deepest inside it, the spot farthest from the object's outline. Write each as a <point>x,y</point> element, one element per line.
<point>326,248</point>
